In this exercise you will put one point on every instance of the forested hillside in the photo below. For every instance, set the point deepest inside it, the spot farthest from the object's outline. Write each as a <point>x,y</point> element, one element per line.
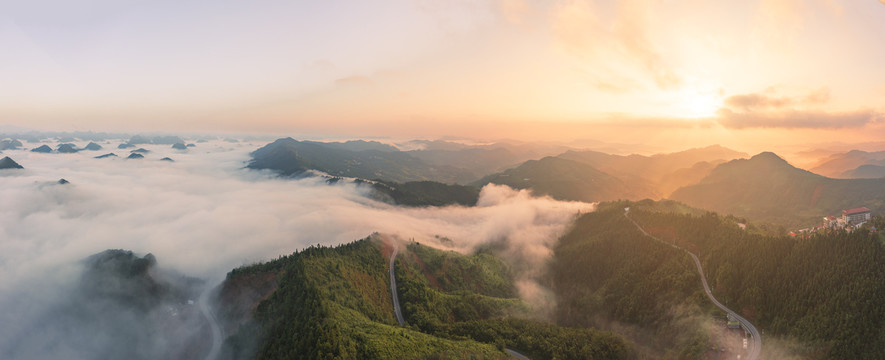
<point>767,188</point>
<point>336,303</point>
<point>825,292</point>
<point>607,274</point>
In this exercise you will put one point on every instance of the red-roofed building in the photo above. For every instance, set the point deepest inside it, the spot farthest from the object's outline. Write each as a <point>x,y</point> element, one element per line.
<point>856,216</point>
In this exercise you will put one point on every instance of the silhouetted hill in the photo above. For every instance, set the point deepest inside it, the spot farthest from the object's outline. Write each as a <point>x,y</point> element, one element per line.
<point>67,148</point>
<point>106,156</point>
<point>838,165</point>
<point>865,172</point>
<point>765,187</point>
<point>665,172</point>
<point>179,146</point>
<point>135,156</point>
<point>42,149</point>
<point>7,163</point>
<point>9,144</point>
<point>568,180</point>
<point>92,146</point>
<point>291,157</point>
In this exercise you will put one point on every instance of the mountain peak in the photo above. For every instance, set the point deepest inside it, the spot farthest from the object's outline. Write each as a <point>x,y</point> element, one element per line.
<point>8,163</point>
<point>769,157</point>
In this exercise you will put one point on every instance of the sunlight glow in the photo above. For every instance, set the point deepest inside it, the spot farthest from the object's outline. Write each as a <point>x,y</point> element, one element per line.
<point>699,105</point>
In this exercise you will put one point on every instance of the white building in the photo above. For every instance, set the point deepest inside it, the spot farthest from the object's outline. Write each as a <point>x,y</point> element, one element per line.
<point>856,216</point>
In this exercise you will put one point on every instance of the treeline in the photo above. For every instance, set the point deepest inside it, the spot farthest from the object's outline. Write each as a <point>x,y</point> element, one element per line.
<point>826,291</point>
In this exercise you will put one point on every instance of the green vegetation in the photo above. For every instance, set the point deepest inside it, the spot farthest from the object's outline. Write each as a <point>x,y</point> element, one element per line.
<point>607,274</point>
<point>456,296</point>
<point>427,193</point>
<point>825,291</point>
<point>335,303</point>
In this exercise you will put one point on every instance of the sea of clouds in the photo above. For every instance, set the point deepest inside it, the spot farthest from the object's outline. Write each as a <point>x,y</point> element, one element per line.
<point>205,213</point>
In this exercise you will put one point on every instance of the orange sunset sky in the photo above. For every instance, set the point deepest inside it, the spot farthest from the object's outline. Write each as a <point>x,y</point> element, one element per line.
<point>748,74</point>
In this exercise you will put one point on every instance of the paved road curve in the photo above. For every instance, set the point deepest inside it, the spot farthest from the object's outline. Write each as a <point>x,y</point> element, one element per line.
<point>755,349</point>
<point>396,308</point>
<point>399,313</point>
<point>203,303</point>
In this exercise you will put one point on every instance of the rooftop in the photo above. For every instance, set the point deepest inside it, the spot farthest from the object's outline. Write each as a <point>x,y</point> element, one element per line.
<point>855,211</point>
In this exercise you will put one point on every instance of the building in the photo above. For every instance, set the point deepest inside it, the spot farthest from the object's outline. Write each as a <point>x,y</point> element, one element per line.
<point>832,222</point>
<point>856,216</point>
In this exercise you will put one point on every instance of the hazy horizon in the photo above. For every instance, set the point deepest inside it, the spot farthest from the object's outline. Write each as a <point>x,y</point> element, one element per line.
<point>572,218</point>
<point>688,74</point>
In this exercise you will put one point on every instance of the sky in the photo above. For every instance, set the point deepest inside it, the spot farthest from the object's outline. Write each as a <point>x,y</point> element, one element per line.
<point>746,74</point>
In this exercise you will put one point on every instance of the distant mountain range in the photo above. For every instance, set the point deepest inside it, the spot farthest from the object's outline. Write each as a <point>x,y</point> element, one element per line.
<point>565,179</point>
<point>855,164</point>
<point>439,161</point>
<point>572,175</point>
<point>596,176</point>
<point>352,159</point>
<point>766,187</point>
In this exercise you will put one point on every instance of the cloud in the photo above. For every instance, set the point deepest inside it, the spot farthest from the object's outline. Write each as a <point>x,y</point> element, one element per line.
<point>204,214</point>
<point>755,101</point>
<point>772,110</point>
<point>619,46</point>
<point>797,119</point>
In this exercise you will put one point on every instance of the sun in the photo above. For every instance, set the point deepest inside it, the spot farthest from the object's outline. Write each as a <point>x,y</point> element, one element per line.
<point>700,105</point>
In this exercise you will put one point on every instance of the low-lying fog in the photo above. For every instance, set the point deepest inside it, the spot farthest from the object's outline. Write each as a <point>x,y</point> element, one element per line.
<point>204,214</point>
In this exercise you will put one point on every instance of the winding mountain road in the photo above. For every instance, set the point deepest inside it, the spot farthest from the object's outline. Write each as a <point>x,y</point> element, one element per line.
<point>398,311</point>
<point>203,304</point>
<point>754,350</point>
<point>396,308</point>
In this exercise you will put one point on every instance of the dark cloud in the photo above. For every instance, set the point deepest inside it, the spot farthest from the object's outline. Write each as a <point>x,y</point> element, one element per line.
<point>796,119</point>
<point>770,100</point>
<point>771,110</point>
<point>756,101</point>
